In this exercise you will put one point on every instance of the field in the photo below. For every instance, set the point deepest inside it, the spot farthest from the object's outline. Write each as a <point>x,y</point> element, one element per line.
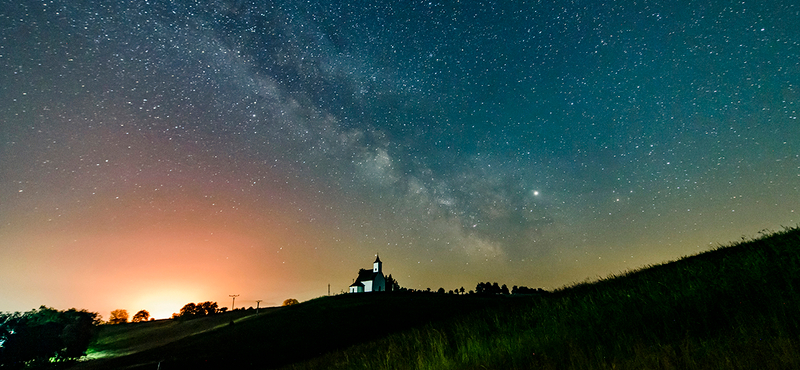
<point>737,307</point>
<point>277,336</point>
<point>120,340</point>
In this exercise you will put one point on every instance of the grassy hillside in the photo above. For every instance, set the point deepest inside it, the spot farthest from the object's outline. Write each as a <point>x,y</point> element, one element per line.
<point>119,340</point>
<point>277,336</point>
<point>736,307</point>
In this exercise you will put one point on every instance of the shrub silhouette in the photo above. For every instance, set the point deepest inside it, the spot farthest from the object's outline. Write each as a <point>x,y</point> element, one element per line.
<point>118,317</point>
<point>140,316</point>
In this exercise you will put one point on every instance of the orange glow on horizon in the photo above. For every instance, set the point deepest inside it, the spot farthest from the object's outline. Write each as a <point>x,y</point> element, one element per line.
<point>133,262</point>
<point>162,302</point>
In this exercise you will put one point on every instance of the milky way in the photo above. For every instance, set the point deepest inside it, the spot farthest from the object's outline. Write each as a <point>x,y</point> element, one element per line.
<point>193,150</point>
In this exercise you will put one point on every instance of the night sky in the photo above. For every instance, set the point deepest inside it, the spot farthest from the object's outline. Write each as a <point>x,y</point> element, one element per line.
<point>156,153</point>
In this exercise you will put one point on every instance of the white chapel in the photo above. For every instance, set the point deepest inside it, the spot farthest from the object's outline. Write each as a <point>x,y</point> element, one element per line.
<point>370,280</point>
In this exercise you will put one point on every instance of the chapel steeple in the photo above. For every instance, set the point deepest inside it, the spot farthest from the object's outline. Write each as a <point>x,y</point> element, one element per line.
<point>377,266</point>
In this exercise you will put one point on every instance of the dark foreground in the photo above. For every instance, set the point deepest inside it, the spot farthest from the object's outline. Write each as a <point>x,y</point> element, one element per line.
<point>285,335</point>
<point>736,307</point>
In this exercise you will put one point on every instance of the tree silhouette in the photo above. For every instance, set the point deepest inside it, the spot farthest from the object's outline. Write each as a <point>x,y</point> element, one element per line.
<point>140,316</point>
<point>194,310</point>
<point>206,308</point>
<point>391,284</point>
<point>78,332</point>
<point>495,288</point>
<point>490,288</point>
<point>526,290</point>
<point>118,317</point>
<point>36,337</point>
<point>290,302</point>
<point>188,310</point>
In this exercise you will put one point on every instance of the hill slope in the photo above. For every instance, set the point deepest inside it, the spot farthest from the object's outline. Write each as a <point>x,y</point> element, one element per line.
<point>734,307</point>
<point>120,340</point>
<point>284,335</point>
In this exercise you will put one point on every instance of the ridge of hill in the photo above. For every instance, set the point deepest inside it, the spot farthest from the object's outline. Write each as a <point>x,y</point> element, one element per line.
<point>734,307</point>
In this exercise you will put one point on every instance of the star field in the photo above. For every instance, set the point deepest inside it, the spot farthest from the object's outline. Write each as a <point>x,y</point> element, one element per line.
<point>163,152</point>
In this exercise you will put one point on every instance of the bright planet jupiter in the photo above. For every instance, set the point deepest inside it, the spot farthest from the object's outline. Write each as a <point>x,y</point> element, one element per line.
<point>156,153</point>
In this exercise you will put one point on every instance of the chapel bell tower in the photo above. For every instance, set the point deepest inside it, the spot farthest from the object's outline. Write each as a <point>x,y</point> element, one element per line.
<point>378,265</point>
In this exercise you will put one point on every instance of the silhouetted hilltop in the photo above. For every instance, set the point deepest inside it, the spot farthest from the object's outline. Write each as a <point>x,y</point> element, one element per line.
<point>733,307</point>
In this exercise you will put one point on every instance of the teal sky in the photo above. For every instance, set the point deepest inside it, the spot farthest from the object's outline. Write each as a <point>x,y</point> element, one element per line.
<point>162,152</point>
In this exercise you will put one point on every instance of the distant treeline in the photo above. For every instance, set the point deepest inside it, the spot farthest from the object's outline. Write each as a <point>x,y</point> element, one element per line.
<point>194,310</point>
<point>481,288</point>
<point>208,308</point>
<point>494,288</point>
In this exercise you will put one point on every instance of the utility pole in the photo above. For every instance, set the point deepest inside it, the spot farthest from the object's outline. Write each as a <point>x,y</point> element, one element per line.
<point>329,289</point>
<point>258,303</point>
<point>233,304</point>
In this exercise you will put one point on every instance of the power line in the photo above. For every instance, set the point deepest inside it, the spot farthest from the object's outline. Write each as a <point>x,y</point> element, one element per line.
<point>233,304</point>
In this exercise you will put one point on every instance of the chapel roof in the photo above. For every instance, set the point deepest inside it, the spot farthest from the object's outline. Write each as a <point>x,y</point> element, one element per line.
<point>366,275</point>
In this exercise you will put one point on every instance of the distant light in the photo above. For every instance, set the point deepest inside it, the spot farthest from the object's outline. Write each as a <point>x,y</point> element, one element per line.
<point>536,193</point>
